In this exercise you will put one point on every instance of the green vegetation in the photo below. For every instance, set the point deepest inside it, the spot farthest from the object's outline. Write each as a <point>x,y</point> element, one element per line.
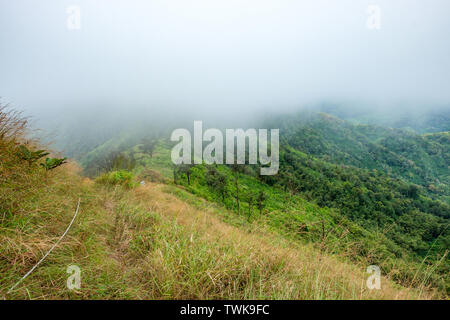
<point>52,163</point>
<point>120,177</point>
<point>214,231</point>
<point>340,188</point>
<point>399,245</point>
<point>418,159</point>
<point>31,156</point>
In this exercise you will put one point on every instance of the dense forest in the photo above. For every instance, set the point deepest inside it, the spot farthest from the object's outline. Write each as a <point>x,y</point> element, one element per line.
<point>421,159</point>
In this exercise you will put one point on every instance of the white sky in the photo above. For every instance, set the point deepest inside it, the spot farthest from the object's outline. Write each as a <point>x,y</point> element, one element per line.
<point>222,55</point>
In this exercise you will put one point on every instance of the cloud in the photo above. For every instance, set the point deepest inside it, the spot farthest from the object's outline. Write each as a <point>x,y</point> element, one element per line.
<point>222,56</point>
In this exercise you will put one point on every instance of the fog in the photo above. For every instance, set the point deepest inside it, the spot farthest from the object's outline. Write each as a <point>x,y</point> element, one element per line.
<point>220,58</point>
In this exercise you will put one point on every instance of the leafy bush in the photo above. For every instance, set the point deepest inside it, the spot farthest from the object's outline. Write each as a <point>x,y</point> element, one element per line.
<point>52,163</point>
<point>111,161</point>
<point>30,156</point>
<point>119,177</point>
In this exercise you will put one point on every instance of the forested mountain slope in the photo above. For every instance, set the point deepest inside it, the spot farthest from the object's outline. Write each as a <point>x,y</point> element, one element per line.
<point>420,159</point>
<point>419,120</point>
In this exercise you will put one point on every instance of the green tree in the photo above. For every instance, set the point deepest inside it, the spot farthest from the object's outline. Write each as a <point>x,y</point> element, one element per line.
<point>235,168</point>
<point>251,199</point>
<point>148,146</point>
<point>187,170</point>
<point>260,200</point>
<point>217,181</point>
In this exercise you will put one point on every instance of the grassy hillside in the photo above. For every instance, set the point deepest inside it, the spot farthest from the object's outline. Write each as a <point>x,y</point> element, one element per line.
<point>161,241</point>
<point>145,243</point>
<point>411,248</point>
<point>346,177</point>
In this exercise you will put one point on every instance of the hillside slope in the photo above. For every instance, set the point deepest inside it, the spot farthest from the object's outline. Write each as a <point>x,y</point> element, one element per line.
<point>407,244</point>
<point>181,239</point>
<point>145,243</point>
<point>366,214</point>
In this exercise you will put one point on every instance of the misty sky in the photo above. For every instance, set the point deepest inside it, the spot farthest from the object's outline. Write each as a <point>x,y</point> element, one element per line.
<point>222,55</point>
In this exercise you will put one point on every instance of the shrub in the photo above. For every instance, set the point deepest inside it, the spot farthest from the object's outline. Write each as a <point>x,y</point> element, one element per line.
<point>30,156</point>
<point>119,177</point>
<point>52,163</point>
<point>152,175</point>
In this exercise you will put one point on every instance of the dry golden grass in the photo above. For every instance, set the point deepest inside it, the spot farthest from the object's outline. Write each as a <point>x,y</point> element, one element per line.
<point>302,272</point>
<point>148,244</point>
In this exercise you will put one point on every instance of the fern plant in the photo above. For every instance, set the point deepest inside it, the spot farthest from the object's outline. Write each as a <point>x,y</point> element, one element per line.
<point>31,156</point>
<point>52,163</point>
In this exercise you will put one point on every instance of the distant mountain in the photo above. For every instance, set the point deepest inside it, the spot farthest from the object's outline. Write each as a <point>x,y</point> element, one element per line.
<point>422,159</point>
<point>428,120</point>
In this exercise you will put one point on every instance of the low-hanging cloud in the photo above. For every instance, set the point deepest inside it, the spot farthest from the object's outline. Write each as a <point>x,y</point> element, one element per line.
<point>221,57</point>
